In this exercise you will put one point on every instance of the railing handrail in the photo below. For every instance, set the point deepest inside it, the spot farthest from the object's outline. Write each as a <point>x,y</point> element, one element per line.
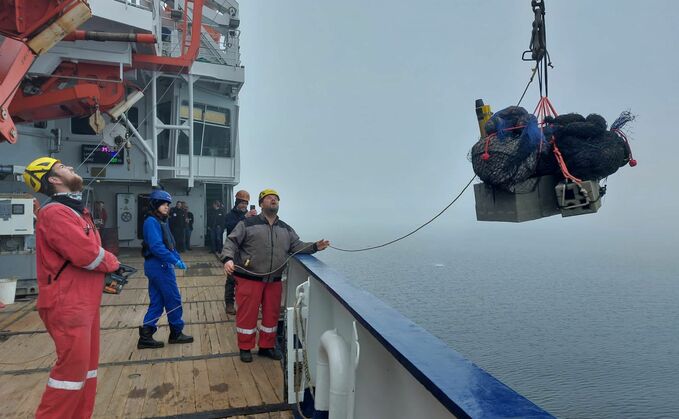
<point>462,387</point>
<point>148,4</point>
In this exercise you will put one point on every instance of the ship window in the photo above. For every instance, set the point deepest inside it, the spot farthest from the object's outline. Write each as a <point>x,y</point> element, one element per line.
<point>164,112</point>
<point>163,144</point>
<point>211,131</point>
<point>197,111</point>
<point>183,144</point>
<point>217,141</point>
<point>82,126</point>
<point>133,116</point>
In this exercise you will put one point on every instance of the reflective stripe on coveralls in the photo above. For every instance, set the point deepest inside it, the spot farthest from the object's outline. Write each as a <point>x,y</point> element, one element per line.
<point>70,385</point>
<point>268,329</point>
<point>96,260</point>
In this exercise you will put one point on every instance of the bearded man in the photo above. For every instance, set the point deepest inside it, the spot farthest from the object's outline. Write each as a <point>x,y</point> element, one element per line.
<point>71,266</point>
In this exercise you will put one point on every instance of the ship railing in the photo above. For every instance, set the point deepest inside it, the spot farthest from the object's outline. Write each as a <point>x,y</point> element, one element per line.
<point>215,46</point>
<point>142,4</point>
<point>367,360</point>
<point>219,45</point>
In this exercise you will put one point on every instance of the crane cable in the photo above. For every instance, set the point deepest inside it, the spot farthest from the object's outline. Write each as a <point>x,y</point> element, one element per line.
<point>538,50</point>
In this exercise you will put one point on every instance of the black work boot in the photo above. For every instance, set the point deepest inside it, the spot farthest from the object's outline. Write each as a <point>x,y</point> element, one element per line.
<point>179,337</point>
<point>245,355</point>
<point>272,353</point>
<point>146,340</point>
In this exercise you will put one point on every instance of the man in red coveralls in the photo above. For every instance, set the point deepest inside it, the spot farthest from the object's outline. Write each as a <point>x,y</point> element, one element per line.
<point>71,268</point>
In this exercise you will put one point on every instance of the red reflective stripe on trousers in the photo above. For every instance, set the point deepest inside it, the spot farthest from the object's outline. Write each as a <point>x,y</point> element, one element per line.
<point>250,295</point>
<point>75,331</point>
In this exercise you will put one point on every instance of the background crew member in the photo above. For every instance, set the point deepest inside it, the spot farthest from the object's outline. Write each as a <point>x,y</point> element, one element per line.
<point>177,223</point>
<point>236,215</point>
<point>160,257</point>
<point>189,226</point>
<point>99,214</point>
<point>259,244</point>
<point>71,266</point>
<point>215,225</point>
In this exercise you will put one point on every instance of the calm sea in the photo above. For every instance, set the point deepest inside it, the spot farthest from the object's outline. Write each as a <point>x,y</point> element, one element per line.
<point>585,326</point>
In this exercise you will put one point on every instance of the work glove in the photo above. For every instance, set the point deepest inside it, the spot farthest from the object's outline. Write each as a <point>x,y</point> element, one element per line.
<point>180,264</point>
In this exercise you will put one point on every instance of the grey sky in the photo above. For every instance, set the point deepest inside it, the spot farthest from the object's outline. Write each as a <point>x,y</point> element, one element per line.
<point>362,113</point>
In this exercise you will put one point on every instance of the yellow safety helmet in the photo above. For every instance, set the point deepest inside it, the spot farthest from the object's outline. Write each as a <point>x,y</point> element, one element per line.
<point>36,170</point>
<point>266,192</point>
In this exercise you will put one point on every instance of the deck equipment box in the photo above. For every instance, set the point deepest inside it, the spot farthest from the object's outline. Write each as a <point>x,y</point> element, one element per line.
<point>495,204</point>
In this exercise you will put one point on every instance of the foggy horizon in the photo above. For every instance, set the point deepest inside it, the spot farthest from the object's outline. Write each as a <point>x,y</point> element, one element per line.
<point>362,115</point>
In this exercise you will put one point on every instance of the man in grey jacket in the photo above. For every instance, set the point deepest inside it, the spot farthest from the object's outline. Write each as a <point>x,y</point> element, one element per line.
<point>256,254</point>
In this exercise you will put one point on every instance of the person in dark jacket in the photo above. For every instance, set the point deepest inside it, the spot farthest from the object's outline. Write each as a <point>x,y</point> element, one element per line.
<point>189,226</point>
<point>160,258</point>
<point>99,214</point>
<point>215,226</point>
<point>177,221</point>
<point>256,254</point>
<point>237,214</point>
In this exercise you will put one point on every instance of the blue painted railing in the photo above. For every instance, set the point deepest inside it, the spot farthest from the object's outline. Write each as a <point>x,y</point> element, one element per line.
<point>463,388</point>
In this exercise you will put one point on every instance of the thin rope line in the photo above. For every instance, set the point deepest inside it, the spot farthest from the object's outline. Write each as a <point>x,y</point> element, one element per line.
<point>532,76</point>
<point>277,269</point>
<point>414,231</point>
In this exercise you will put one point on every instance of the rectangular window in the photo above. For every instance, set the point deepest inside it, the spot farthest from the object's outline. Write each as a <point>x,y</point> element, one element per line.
<point>211,131</point>
<point>183,144</point>
<point>82,126</point>
<point>133,116</point>
<point>164,144</point>
<point>216,141</point>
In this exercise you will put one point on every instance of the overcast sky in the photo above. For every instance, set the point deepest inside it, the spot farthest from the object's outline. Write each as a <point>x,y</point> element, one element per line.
<point>361,114</point>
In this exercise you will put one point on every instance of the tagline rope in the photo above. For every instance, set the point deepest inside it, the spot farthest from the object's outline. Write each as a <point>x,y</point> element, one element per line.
<point>414,231</point>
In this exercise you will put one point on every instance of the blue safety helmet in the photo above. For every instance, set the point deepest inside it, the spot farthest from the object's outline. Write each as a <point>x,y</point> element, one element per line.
<point>159,196</point>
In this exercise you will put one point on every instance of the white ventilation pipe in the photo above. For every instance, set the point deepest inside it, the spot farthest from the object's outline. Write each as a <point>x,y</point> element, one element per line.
<point>333,376</point>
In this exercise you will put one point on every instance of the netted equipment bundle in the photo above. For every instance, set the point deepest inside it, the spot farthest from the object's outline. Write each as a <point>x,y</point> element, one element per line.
<point>508,156</point>
<point>589,149</point>
<point>516,150</point>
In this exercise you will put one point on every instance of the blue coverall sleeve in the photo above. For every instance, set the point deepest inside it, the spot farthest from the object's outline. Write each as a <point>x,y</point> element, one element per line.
<point>153,236</point>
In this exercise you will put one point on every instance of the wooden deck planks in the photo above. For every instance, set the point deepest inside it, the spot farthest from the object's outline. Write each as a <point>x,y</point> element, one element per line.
<point>186,398</point>
<point>201,383</point>
<point>148,383</point>
<point>250,391</point>
<point>107,381</point>
<point>235,391</point>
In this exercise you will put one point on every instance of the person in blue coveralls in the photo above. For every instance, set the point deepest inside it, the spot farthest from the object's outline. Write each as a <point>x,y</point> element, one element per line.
<point>160,259</point>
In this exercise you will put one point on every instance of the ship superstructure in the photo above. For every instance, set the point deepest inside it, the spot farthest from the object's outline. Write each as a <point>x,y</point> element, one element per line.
<point>142,93</point>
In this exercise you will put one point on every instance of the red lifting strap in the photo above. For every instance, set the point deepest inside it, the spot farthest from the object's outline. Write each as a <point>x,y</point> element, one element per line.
<point>544,109</point>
